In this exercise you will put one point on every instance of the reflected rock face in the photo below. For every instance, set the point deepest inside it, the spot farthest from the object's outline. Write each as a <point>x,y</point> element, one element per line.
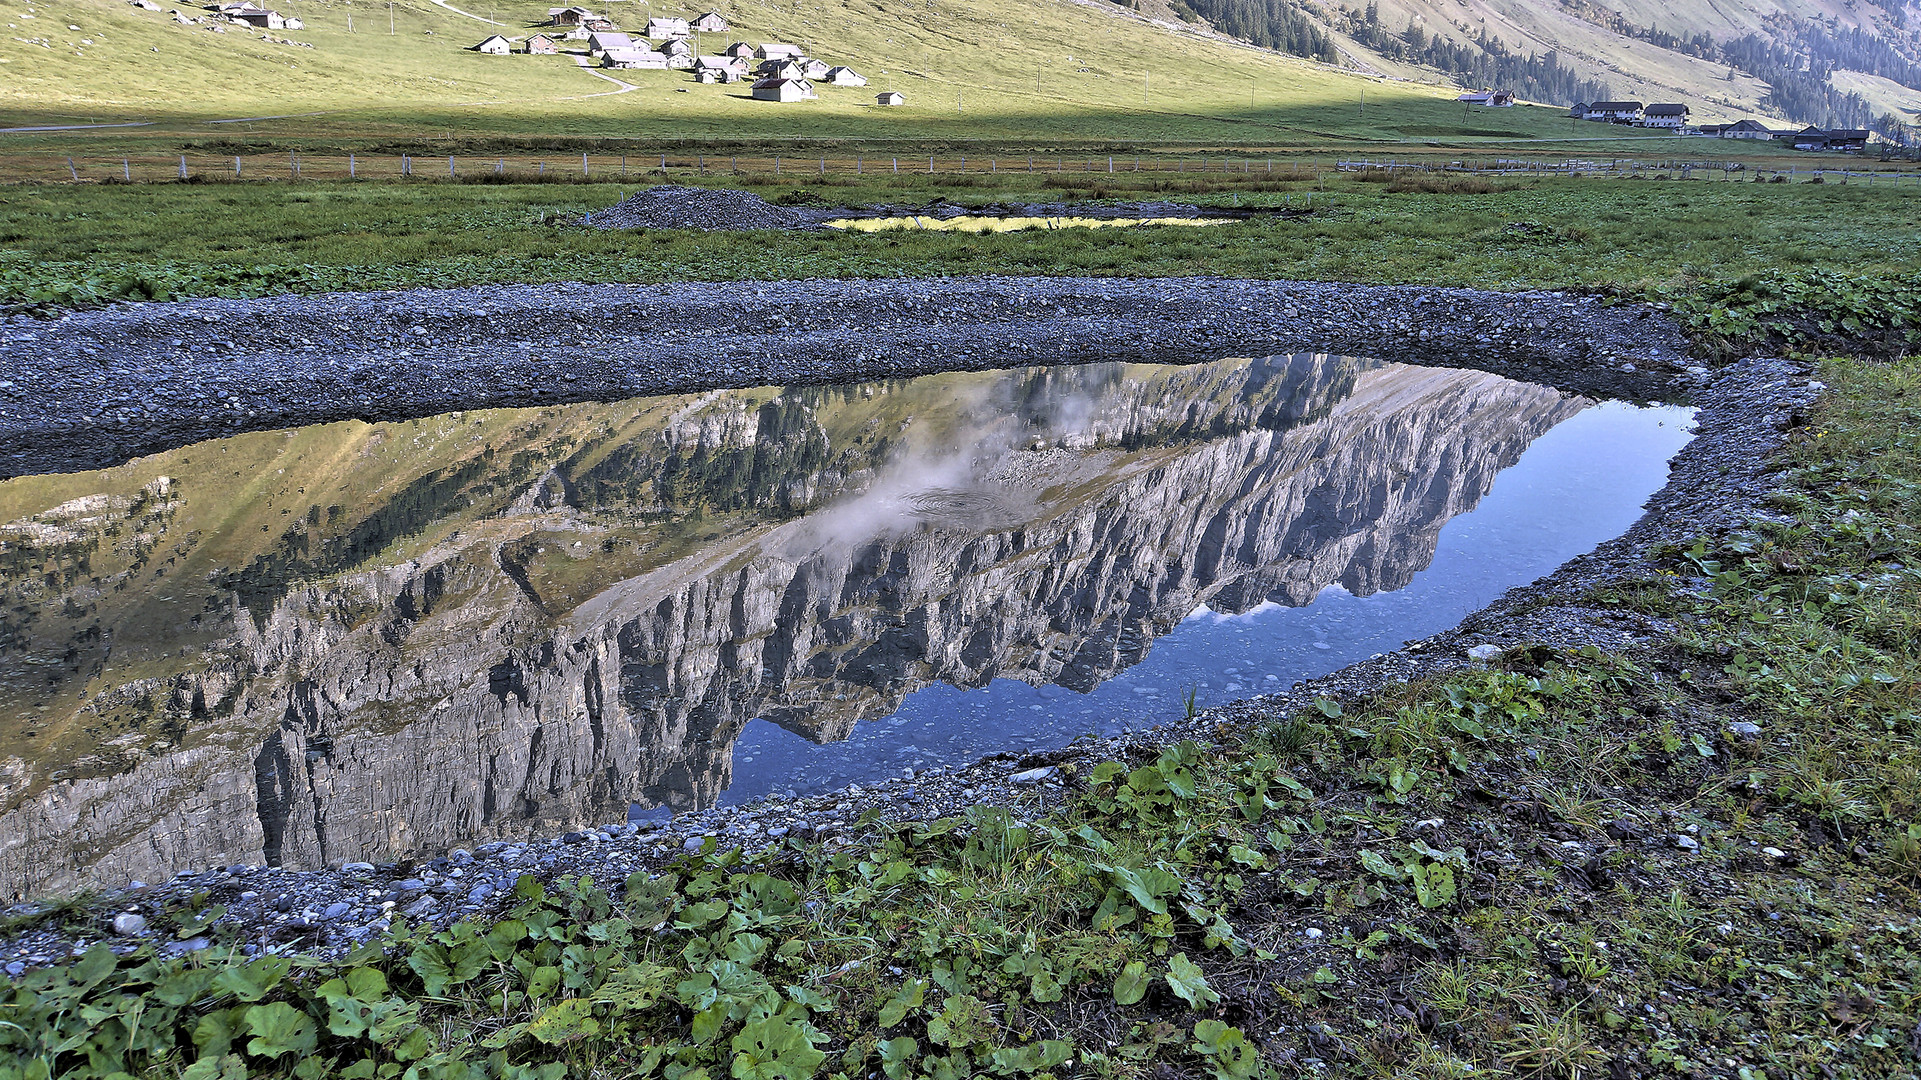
<point>364,642</point>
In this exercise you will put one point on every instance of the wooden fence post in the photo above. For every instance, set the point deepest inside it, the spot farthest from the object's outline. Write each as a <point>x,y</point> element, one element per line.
<point>183,166</point>
<point>583,163</point>
<point>126,171</point>
<point>353,171</point>
<point>450,166</point>
<point>236,166</point>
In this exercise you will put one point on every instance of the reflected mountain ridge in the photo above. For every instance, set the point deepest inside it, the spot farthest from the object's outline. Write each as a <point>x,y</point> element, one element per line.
<point>357,641</point>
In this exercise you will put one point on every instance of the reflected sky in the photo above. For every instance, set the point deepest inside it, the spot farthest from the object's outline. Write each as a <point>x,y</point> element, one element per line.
<point>1582,482</point>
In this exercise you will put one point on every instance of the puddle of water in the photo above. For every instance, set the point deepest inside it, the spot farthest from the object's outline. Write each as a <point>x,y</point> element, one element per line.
<point>1582,482</point>
<point>983,224</point>
<point>357,641</point>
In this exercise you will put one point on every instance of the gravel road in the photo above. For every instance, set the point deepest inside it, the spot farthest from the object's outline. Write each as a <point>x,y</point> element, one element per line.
<point>92,389</point>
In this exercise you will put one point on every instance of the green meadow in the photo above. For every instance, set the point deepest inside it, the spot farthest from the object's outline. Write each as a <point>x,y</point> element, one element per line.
<point>65,243</point>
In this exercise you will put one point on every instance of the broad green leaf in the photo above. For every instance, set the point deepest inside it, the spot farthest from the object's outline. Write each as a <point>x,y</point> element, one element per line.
<point>216,1031</point>
<point>897,1055</point>
<point>1148,886</point>
<point>183,987</point>
<point>564,1022</point>
<point>1234,1058</point>
<point>910,996</point>
<point>776,1048</point>
<point>504,937</point>
<point>707,1024</point>
<point>418,1044</point>
<point>1184,977</point>
<point>279,1028</point>
<point>1246,856</point>
<point>1433,884</point>
<point>1131,986</point>
<point>1181,782</point>
<point>222,1067</point>
<point>367,984</point>
<point>745,948</point>
<point>94,967</point>
<point>698,915</point>
<point>1376,862</point>
<point>544,981</point>
<point>1299,790</point>
<point>252,981</point>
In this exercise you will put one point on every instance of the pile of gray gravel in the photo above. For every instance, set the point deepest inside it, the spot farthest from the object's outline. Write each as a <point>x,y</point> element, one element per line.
<point>675,206</point>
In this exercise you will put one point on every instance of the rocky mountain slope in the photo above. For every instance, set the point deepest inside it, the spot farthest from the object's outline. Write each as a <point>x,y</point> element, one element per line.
<point>1810,61</point>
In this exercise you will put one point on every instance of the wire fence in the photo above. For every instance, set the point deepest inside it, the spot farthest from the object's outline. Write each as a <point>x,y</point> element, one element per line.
<point>1869,173</point>
<point>608,168</point>
<point>520,168</point>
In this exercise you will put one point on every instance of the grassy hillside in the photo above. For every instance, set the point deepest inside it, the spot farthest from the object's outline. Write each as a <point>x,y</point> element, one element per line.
<point>978,69</point>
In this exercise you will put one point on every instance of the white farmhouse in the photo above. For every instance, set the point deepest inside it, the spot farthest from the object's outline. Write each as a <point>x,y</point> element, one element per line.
<point>784,90</point>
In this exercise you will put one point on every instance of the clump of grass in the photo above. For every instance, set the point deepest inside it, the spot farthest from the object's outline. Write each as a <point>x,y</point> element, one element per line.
<point>1430,184</point>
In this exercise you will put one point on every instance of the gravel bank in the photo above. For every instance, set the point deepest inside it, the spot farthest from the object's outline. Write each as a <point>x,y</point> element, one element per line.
<point>92,389</point>
<point>1719,480</point>
<point>673,206</point>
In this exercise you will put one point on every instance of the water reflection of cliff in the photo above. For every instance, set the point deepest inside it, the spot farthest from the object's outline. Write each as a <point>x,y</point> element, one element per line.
<point>360,641</point>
